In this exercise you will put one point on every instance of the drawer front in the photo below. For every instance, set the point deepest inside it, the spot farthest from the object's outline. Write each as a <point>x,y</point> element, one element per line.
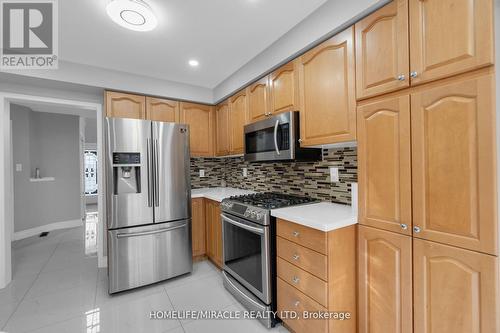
<point>307,283</point>
<point>308,237</point>
<point>290,299</point>
<point>307,259</point>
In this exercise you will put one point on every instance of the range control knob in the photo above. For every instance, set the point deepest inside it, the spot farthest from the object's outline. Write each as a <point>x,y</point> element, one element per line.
<point>253,214</point>
<point>260,216</point>
<point>247,213</point>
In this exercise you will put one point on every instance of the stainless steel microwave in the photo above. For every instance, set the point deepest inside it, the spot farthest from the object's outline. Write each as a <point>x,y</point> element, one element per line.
<point>277,139</point>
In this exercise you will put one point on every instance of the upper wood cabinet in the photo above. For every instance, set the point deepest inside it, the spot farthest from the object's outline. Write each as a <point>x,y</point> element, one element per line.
<point>448,37</point>
<point>238,113</point>
<point>327,91</point>
<point>201,121</point>
<point>258,100</point>
<point>455,290</point>
<point>384,282</point>
<point>120,105</point>
<point>198,226</point>
<point>454,164</point>
<point>284,89</point>
<point>159,109</point>
<point>222,129</point>
<point>382,58</point>
<point>384,164</point>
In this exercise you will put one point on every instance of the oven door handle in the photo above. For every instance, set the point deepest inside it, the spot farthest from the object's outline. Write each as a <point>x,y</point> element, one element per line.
<point>242,225</point>
<point>276,136</point>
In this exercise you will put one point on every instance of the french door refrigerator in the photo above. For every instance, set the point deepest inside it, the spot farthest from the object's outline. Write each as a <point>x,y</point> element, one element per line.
<point>148,198</point>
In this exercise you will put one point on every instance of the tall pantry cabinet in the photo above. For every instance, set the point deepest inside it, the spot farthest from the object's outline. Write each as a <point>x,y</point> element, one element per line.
<point>428,234</point>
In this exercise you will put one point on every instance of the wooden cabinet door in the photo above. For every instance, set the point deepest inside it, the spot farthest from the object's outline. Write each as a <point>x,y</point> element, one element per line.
<point>454,164</point>
<point>455,290</point>
<point>258,103</point>
<point>327,90</point>
<point>382,58</point>
<point>384,159</point>
<point>448,37</point>
<point>209,229</point>
<point>238,112</point>
<point>222,129</point>
<point>384,281</point>
<point>158,109</point>
<point>283,87</point>
<point>120,105</point>
<point>214,232</point>
<point>198,226</point>
<point>200,119</point>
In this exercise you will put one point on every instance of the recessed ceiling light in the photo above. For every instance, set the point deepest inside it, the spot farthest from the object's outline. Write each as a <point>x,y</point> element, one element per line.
<point>132,14</point>
<point>193,63</point>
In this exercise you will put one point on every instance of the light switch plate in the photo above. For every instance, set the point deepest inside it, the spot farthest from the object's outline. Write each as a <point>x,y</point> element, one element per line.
<point>19,167</point>
<point>202,173</point>
<point>334,175</point>
<point>245,172</point>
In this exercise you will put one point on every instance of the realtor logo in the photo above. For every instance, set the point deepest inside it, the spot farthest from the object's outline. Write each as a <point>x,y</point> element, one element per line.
<point>29,34</point>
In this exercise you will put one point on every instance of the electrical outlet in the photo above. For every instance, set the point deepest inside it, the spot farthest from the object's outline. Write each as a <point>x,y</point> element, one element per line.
<point>202,173</point>
<point>245,172</point>
<point>19,167</point>
<point>334,175</point>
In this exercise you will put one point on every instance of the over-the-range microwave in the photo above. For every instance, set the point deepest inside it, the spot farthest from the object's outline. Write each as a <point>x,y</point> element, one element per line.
<point>277,139</point>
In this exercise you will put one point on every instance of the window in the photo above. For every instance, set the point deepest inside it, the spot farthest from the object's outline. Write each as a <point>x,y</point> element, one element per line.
<point>90,160</point>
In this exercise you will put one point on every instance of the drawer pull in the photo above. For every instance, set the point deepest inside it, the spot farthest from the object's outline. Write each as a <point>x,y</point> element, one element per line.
<point>295,280</point>
<point>295,234</point>
<point>296,304</point>
<point>296,257</point>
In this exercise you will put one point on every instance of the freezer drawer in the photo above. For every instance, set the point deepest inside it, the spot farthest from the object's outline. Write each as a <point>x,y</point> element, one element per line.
<point>144,255</point>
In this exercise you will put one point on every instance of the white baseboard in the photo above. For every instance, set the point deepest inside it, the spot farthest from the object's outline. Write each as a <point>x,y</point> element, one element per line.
<point>48,227</point>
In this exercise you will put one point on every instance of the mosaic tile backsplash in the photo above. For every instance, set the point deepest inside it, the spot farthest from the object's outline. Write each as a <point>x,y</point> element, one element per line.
<point>300,178</point>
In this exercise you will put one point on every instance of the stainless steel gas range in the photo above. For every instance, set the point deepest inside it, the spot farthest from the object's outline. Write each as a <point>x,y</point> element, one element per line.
<point>249,249</point>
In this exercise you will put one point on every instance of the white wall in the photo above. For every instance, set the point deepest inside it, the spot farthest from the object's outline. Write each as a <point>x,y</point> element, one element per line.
<point>329,19</point>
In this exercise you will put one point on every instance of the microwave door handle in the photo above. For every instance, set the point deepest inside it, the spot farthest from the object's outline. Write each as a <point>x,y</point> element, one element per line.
<point>276,137</point>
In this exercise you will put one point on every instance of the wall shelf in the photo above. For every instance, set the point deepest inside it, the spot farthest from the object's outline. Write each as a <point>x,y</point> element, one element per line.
<point>43,179</point>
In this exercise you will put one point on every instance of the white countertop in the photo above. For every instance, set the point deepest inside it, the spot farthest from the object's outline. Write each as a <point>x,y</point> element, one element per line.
<point>217,193</point>
<point>324,216</point>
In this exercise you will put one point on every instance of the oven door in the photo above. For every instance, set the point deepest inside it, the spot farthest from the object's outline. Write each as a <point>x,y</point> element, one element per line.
<point>271,139</point>
<point>246,254</point>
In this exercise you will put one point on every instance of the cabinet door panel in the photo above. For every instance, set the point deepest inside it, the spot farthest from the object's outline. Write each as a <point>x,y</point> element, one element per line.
<point>448,37</point>
<point>385,281</point>
<point>222,129</point>
<point>382,50</point>
<point>198,226</point>
<point>258,103</point>
<point>455,290</point>
<point>162,110</point>
<point>327,90</point>
<point>237,118</point>
<point>454,163</point>
<point>120,105</point>
<point>200,119</point>
<point>384,164</point>
<point>283,84</point>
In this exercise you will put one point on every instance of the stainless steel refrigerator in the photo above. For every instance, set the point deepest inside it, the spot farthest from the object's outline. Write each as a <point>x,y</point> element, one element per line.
<point>148,199</point>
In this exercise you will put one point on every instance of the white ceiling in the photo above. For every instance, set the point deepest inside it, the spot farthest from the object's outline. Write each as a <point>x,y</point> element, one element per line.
<point>222,34</point>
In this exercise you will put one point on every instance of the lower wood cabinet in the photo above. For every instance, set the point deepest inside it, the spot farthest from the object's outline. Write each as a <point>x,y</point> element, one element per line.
<point>213,232</point>
<point>385,281</point>
<point>198,227</point>
<point>455,290</point>
<point>316,281</point>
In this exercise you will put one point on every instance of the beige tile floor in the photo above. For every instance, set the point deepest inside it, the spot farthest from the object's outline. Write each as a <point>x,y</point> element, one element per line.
<point>56,288</point>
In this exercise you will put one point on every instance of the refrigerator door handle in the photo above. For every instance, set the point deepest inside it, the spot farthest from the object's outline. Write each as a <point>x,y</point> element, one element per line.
<point>149,173</point>
<point>157,175</point>
<point>144,233</point>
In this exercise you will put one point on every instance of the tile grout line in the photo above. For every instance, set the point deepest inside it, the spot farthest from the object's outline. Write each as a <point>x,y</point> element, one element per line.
<point>31,286</point>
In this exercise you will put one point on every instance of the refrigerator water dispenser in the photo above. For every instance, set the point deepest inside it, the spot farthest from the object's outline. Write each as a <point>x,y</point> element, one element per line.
<point>126,173</point>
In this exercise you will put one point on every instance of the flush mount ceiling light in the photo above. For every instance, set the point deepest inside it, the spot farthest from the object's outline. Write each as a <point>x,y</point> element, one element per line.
<point>132,14</point>
<point>193,63</point>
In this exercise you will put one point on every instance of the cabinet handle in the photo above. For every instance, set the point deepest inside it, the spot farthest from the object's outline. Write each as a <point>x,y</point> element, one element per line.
<point>416,229</point>
<point>401,77</point>
<point>295,280</point>
<point>296,303</point>
<point>404,226</point>
<point>296,257</point>
<point>413,74</point>
<point>295,234</point>
<point>300,140</point>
